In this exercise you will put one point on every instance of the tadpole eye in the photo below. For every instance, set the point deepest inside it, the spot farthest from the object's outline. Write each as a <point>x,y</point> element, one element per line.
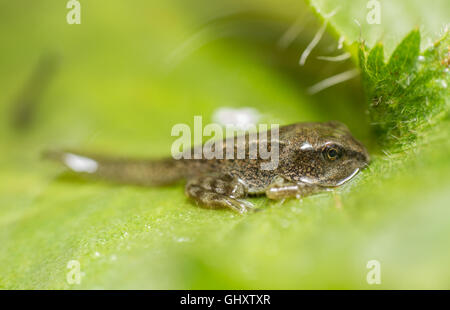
<point>332,152</point>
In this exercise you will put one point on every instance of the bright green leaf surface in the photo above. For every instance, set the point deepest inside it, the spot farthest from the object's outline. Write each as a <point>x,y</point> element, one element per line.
<point>127,75</point>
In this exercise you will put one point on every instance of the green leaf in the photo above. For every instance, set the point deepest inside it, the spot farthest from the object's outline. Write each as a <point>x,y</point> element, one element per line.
<point>375,62</point>
<point>407,95</point>
<point>351,20</point>
<point>404,58</point>
<point>128,73</point>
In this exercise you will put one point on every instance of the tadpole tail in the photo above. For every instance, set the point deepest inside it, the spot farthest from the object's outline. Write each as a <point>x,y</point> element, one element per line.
<point>120,170</point>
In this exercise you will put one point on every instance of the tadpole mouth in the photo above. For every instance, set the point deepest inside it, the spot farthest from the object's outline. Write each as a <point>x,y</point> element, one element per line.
<point>366,157</point>
<point>341,181</point>
<point>348,178</point>
<point>365,160</point>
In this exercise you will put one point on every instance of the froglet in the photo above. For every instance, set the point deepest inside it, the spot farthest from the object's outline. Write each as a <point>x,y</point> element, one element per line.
<point>313,157</point>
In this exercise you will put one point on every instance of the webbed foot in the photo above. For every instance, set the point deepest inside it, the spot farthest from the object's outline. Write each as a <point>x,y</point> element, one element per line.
<point>219,192</point>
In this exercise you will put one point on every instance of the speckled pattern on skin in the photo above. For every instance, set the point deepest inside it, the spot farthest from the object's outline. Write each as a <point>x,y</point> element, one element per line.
<point>312,157</point>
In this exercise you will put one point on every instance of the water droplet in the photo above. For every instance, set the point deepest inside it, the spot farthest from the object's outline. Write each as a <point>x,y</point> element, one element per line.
<point>124,235</point>
<point>183,239</point>
<point>239,118</point>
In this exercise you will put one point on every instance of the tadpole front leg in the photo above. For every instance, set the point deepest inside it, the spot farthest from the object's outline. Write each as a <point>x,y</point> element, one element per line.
<point>279,191</point>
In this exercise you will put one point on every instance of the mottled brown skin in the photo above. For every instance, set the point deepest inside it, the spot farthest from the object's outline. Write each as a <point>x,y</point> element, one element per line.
<point>313,157</point>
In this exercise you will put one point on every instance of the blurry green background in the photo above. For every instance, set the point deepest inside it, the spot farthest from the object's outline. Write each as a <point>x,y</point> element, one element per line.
<point>130,71</point>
